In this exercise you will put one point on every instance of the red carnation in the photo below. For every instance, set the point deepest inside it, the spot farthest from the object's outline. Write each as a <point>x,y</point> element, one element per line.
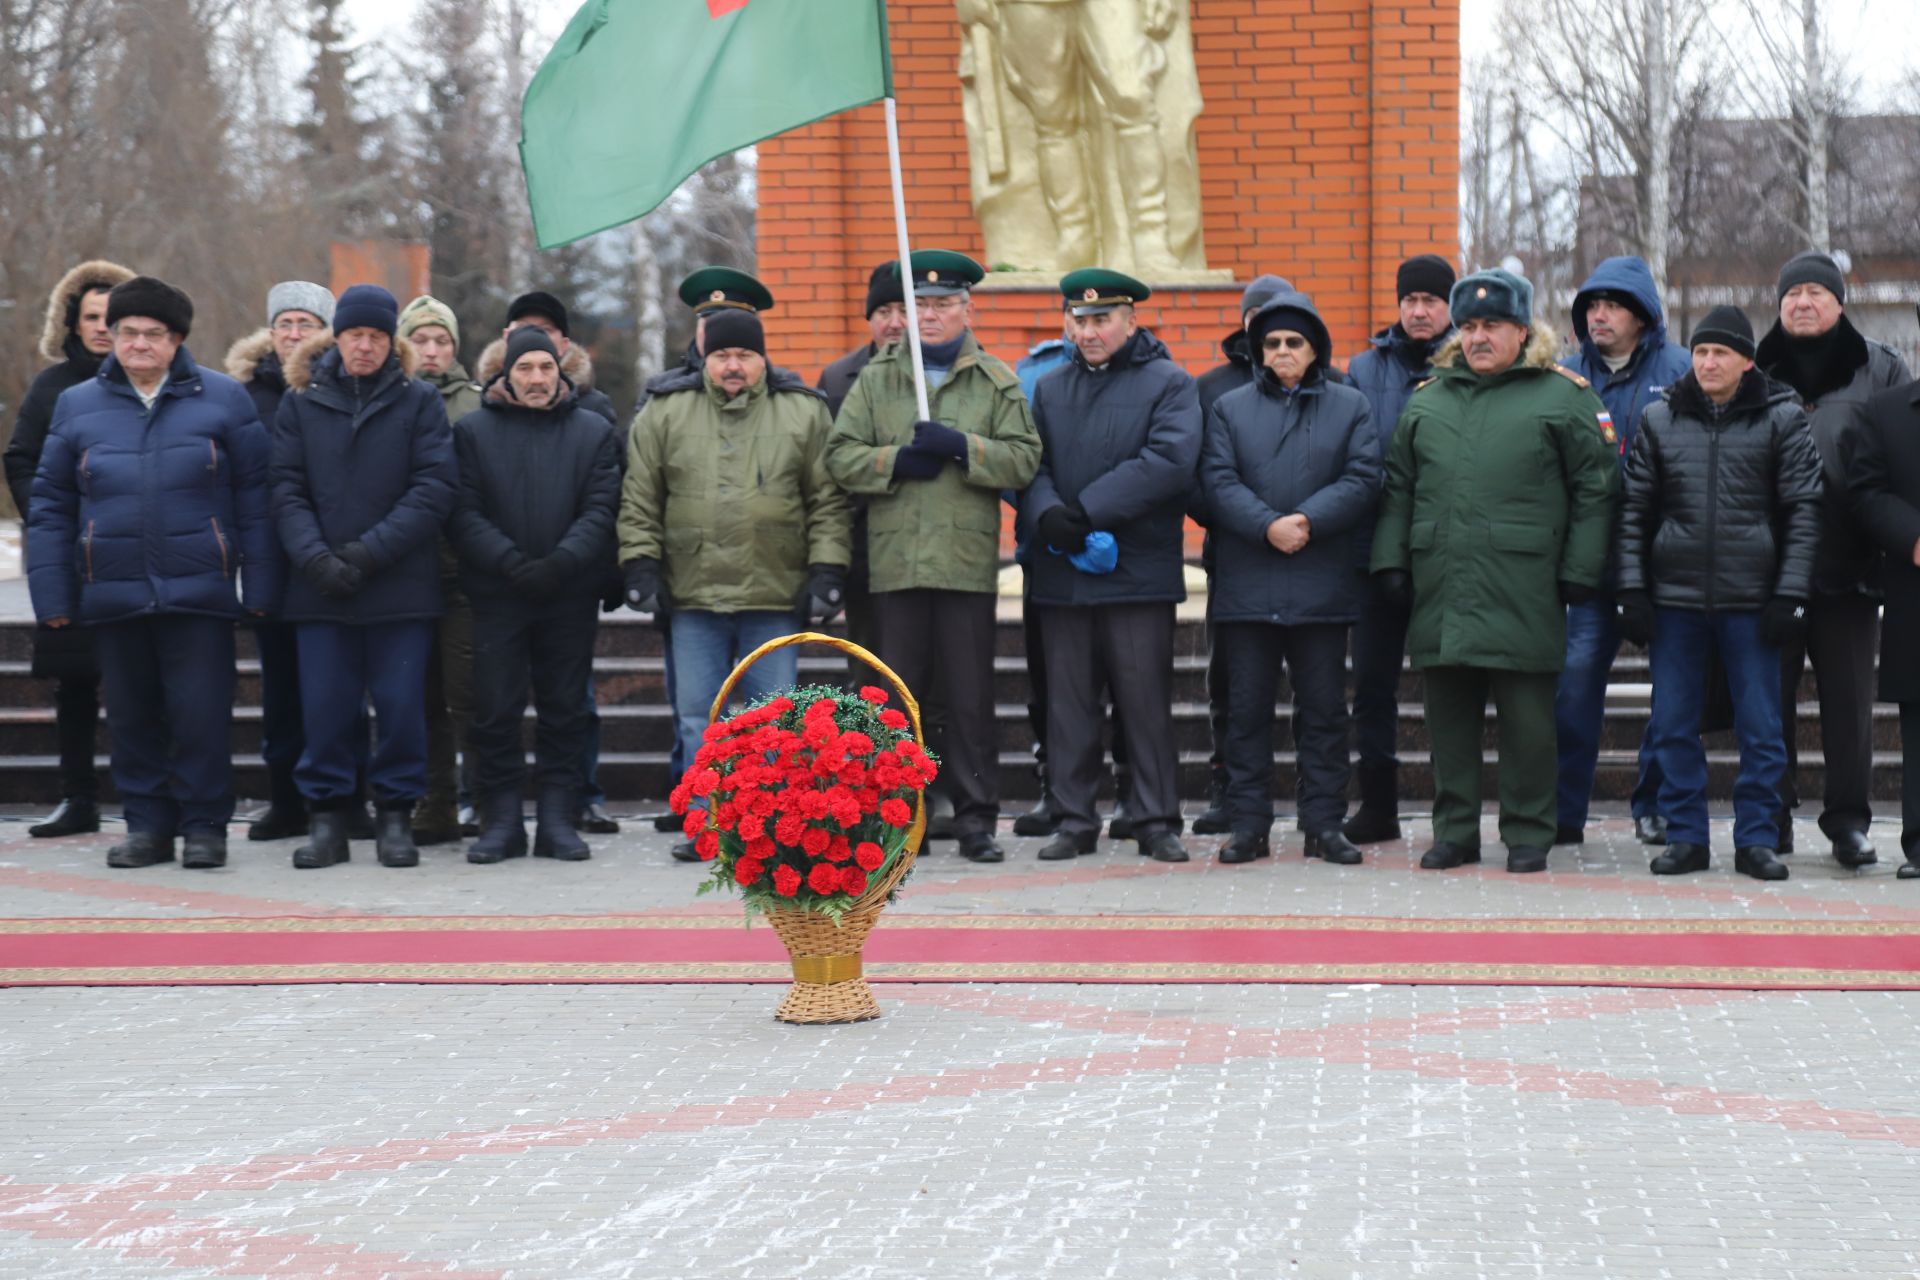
<point>853,881</point>
<point>747,872</point>
<point>895,813</point>
<point>872,694</point>
<point>839,850</point>
<point>869,855</point>
<point>893,719</point>
<point>696,822</point>
<point>824,878</point>
<point>708,843</point>
<point>788,828</point>
<point>761,849</point>
<point>786,881</point>
<point>815,842</point>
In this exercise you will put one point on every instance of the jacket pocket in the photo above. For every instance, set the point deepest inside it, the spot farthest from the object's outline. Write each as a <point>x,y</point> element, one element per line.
<point>220,539</point>
<point>684,542</point>
<point>1525,538</point>
<point>1422,535</point>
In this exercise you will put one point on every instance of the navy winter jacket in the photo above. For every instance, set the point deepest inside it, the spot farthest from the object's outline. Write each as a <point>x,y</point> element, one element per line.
<point>140,512</point>
<point>1123,443</point>
<point>1656,364</point>
<point>367,460</point>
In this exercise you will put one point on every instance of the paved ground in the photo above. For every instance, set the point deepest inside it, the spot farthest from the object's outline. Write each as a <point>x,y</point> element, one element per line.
<point>974,1131</point>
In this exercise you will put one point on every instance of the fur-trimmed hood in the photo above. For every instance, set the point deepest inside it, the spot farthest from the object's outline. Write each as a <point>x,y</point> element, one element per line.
<point>95,274</point>
<point>244,357</point>
<point>1541,352</point>
<point>298,367</point>
<point>577,367</point>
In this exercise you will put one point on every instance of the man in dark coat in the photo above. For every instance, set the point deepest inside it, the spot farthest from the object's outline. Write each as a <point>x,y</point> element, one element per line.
<point>1291,473</point>
<point>150,498</point>
<point>76,339</point>
<point>363,478</point>
<point>1716,552</point>
<point>539,485</point>
<point>1497,513</point>
<point>1120,438</point>
<point>1883,482</point>
<point>1815,349</point>
<point>1397,359</point>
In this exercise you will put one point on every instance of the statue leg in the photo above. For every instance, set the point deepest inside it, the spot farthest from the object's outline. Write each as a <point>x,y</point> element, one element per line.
<point>1115,48</point>
<point>1041,52</point>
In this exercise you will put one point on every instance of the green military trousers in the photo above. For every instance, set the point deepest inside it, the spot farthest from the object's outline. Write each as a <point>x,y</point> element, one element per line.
<point>1456,720</point>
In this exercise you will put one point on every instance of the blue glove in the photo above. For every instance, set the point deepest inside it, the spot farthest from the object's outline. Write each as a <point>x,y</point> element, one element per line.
<point>941,440</point>
<point>910,463</point>
<point>1102,554</point>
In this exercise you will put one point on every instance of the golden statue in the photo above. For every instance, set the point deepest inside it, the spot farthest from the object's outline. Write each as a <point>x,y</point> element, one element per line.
<point>1079,118</point>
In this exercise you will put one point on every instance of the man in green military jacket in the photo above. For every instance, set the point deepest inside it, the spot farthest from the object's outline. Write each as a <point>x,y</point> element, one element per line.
<point>729,519</point>
<point>1498,512</point>
<point>933,520</point>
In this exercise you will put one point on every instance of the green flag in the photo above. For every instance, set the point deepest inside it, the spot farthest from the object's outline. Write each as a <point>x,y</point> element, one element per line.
<point>638,94</point>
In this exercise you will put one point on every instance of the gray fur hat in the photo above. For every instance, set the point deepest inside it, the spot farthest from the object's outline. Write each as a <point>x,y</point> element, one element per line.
<point>300,295</point>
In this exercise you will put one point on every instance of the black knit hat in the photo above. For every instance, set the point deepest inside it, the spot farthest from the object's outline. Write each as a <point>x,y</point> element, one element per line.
<point>1726,327</point>
<point>732,327</point>
<point>154,299</point>
<point>525,339</point>
<point>367,306</point>
<point>883,287</point>
<point>1292,311</point>
<point>1812,268</point>
<point>1424,273</point>
<point>542,304</point>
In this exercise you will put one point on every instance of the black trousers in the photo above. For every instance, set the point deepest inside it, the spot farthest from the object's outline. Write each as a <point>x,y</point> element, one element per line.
<point>1910,780</point>
<point>941,644</point>
<point>76,722</point>
<point>169,685</point>
<point>1842,635</point>
<point>547,646</point>
<point>1036,646</point>
<point>1315,661</point>
<point>283,734</point>
<point>1130,648</point>
<point>1379,647</point>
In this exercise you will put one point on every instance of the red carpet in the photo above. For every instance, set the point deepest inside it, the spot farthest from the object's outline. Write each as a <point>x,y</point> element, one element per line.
<point>1743,954</point>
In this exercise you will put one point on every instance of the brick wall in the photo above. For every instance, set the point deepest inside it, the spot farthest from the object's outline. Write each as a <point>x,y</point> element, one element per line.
<point>1329,151</point>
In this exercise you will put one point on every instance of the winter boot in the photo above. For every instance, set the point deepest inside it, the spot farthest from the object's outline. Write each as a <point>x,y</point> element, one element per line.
<point>76,815</point>
<point>204,850</point>
<point>554,835</point>
<point>1214,821</point>
<point>436,820</point>
<point>393,841</point>
<point>285,814</point>
<point>1378,818</point>
<point>504,834</point>
<point>1044,818</point>
<point>326,841</point>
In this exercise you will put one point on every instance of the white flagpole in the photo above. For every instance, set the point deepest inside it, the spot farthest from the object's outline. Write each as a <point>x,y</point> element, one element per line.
<point>906,262</point>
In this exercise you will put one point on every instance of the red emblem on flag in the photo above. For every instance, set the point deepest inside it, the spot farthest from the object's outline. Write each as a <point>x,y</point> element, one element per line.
<point>721,8</point>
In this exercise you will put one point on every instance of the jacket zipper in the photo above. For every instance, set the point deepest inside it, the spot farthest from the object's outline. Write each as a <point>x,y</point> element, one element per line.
<point>84,473</point>
<point>89,551</point>
<point>221,539</point>
<point>213,460</point>
<point>1713,502</point>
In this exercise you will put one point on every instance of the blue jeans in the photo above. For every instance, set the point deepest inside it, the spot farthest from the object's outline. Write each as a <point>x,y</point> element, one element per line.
<point>1579,713</point>
<point>707,646</point>
<point>341,667</point>
<point>1684,641</point>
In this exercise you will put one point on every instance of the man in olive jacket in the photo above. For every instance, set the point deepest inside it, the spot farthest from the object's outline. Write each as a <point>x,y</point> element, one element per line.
<point>729,519</point>
<point>933,520</point>
<point>1499,502</point>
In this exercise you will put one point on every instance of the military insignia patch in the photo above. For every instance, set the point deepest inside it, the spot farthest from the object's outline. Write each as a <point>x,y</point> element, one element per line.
<point>1607,432</point>
<point>1091,294</point>
<point>717,296</point>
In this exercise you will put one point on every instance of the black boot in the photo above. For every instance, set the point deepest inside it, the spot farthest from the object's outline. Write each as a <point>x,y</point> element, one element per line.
<point>1378,817</point>
<point>393,840</point>
<point>1682,859</point>
<point>359,820</point>
<point>1332,846</point>
<point>1068,845</point>
<point>1245,846</point>
<point>1759,862</point>
<point>141,849</point>
<point>1044,818</point>
<point>1213,820</point>
<point>940,816</point>
<point>554,835</point>
<point>503,835</point>
<point>326,841</point>
<point>286,812</point>
<point>76,815</point>
<point>1120,825</point>
<point>204,850</point>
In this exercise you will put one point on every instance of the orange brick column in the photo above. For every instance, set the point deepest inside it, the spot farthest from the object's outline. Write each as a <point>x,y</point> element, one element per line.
<point>1328,152</point>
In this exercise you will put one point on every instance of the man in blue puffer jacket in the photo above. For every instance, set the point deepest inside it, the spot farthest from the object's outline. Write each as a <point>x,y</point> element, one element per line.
<point>1626,356</point>
<point>150,498</point>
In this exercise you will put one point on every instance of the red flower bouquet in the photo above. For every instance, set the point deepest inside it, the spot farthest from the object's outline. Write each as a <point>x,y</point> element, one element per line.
<point>804,799</point>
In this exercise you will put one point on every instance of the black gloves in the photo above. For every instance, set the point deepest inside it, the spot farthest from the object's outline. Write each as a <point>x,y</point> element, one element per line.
<point>910,463</point>
<point>357,555</point>
<point>1576,593</point>
<point>941,441</point>
<point>334,577</point>
<point>1783,622</point>
<point>546,577</point>
<point>645,593</point>
<point>1636,616</point>
<point>1065,529</point>
<point>824,596</point>
<point>1395,587</point>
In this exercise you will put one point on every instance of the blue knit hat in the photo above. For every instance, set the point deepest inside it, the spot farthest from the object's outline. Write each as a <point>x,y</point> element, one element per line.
<point>366,306</point>
<point>1492,294</point>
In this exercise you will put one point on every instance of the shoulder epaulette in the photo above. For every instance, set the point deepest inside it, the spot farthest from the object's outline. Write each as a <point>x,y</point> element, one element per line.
<point>1570,376</point>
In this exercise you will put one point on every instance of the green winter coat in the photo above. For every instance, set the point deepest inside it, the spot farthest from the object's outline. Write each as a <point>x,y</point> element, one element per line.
<point>1498,489</point>
<point>460,393</point>
<point>732,496</point>
<point>942,533</point>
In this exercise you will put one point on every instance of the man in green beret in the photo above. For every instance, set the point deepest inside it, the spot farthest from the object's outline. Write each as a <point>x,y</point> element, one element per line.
<point>1497,514</point>
<point>933,520</point>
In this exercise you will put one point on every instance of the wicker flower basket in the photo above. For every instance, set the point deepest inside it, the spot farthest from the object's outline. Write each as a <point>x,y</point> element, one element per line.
<point>828,985</point>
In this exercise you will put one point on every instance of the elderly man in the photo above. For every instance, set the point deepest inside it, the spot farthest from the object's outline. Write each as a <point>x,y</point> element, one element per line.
<point>363,479</point>
<point>1120,433</point>
<point>729,518</point>
<point>933,490</point>
<point>1397,360</point>
<point>149,500</point>
<point>76,339</point>
<point>1500,493</point>
<point>1815,349</point>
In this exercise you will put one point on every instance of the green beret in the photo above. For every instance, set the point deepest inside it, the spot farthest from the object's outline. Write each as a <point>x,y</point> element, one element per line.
<point>712,287</point>
<point>1094,291</point>
<point>940,273</point>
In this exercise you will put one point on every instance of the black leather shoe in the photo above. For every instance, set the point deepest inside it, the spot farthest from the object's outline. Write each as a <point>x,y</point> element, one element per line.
<point>596,821</point>
<point>1444,856</point>
<point>1245,847</point>
<point>1651,829</point>
<point>1570,835</point>
<point>668,823</point>
<point>1214,820</point>
<point>1523,859</point>
<point>141,849</point>
<point>279,822</point>
<point>980,846</point>
<point>1120,825</point>
<point>1332,846</point>
<point>359,821</point>
<point>326,842</point>
<point>393,841</point>
<point>1069,845</point>
<point>1371,826</point>
<point>76,815</point>
<point>1851,850</point>
<point>940,817</point>
<point>1908,871</point>
<point>204,850</point>
<point>1681,860</point>
<point>684,851</point>
<point>1759,862</point>
<point>1041,820</point>
<point>1164,846</point>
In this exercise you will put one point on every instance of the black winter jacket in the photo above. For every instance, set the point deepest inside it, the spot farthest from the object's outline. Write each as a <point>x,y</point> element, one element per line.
<point>36,415</point>
<point>838,378</point>
<point>535,481</point>
<point>1722,511</point>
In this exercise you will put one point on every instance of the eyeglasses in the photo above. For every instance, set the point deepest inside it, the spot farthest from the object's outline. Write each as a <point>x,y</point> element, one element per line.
<point>1285,342</point>
<point>125,334</point>
<point>297,326</point>
<point>951,302</point>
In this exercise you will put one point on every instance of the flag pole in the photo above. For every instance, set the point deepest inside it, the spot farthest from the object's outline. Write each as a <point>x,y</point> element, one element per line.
<point>906,262</point>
